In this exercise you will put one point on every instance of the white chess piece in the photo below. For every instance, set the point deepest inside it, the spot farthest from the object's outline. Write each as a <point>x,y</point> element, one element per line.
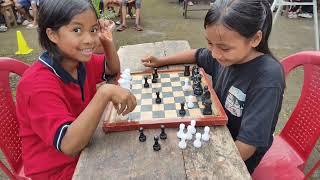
<point>189,134</point>
<point>180,133</point>
<point>193,124</point>
<point>205,136</point>
<point>190,103</point>
<point>197,142</point>
<point>124,83</point>
<point>186,86</point>
<point>182,144</point>
<point>126,74</point>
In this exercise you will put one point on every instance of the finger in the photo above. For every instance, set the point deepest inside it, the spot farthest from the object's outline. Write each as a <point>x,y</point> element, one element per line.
<point>131,105</point>
<point>146,59</point>
<point>116,106</point>
<point>122,108</point>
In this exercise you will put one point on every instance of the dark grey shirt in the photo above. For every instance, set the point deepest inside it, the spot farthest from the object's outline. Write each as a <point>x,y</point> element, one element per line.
<point>251,95</point>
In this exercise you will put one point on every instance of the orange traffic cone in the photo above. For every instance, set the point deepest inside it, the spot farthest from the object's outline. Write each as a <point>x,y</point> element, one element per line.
<point>23,47</point>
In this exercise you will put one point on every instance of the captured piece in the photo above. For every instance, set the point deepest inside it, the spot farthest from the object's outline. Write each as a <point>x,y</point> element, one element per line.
<point>163,134</point>
<point>142,137</point>
<point>186,70</point>
<point>156,146</point>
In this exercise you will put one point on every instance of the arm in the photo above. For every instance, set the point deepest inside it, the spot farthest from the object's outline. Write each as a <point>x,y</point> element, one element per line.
<point>185,57</point>
<point>82,128</point>
<point>245,150</point>
<point>106,40</point>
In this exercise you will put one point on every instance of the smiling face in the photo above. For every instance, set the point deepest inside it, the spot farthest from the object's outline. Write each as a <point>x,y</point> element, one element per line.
<point>77,39</point>
<point>229,47</point>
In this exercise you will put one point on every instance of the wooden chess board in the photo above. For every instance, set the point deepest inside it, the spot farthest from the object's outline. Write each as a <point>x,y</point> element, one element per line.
<point>148,114</point>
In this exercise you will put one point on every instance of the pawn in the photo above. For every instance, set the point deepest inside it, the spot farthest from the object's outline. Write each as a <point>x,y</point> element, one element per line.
<point>180,133</point>
<point>154,79</point>
<point>182,144</point>
<point>189,134</point>
<point>142,137</point>
<point>146,84</point>
<point>182,111</point>
<point>193,125</point>
<point>156,145</point>
<point>190,103</point>
<point>197,142</point>
<point>158,99</point>
<point>205,136</point>
<point>163,134</point>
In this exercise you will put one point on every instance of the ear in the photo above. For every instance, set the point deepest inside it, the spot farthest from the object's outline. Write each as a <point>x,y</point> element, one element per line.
<point>256,39</point>
<point>52,35</point>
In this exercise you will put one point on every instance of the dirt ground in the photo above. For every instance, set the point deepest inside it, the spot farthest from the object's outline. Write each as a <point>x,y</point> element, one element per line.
<point>163,20</point>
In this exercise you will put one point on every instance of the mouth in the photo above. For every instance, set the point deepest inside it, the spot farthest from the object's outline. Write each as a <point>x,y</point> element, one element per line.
<point>87,51</point>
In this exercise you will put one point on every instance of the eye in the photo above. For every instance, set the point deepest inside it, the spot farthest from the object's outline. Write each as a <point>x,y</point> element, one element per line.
<point>77,30</point>
<point>95,29</point>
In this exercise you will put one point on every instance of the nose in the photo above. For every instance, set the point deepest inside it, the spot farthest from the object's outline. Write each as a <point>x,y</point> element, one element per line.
<point>89,38</point>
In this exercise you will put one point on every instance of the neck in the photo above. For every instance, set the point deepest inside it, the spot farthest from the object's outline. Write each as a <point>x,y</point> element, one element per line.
<point>71,67</point>
<point>252,55</point>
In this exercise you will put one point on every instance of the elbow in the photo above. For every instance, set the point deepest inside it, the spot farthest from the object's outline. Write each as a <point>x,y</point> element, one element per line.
<point>71,152</point>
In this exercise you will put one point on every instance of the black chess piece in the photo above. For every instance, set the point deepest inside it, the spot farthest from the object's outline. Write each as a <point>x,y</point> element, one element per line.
<point>154,79</point>
<point>146,84</point>
<point>182,111</point>
<point>206,94</point>
<point>142,137</point>
<point>198,90</point>
<point>156,72</point>
<point>186,70</point>
<point>158,99</point>
<point>156,145</point>
<point>207,108</point>
<point>193,72</point>
<point>163,134</point>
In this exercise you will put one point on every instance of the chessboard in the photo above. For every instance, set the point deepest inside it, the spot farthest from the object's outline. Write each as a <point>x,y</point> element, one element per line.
<point>149,114</point>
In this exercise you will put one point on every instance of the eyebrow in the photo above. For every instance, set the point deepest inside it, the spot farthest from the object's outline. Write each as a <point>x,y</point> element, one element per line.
<point>80,24</point>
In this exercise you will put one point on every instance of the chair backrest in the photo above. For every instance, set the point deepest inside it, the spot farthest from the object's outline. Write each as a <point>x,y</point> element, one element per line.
<point>10,142</point>
<point>303,127</point>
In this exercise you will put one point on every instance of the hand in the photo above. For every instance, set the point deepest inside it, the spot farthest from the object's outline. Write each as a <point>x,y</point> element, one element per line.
<point>105,31</point>
<point>123,100</point>
<point>151,61</point>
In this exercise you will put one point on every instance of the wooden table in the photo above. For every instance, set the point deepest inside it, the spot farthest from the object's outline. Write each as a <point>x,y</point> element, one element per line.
<point>121,156</point>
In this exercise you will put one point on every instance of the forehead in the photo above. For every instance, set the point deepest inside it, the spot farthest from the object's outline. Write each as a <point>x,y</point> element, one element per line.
<point>221,34</point>
<point>87,17</point>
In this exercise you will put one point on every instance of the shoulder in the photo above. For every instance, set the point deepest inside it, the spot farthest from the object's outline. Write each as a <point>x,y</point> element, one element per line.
<point>270,72</point>
<point>38,77</point>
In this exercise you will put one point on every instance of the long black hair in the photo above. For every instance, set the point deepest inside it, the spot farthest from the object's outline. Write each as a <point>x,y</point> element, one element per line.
<point>54,14</point>
<point>246,17</point>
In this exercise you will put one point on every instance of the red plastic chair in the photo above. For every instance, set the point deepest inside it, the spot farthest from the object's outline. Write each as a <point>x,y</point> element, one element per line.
<point>10,142</point>
<point>287,157</point>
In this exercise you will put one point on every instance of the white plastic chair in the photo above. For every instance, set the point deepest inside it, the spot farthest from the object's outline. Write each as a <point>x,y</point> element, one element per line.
<point>281,3</point>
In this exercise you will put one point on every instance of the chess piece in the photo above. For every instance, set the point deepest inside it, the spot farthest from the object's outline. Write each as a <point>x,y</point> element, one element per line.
<point>182,144</point>
<point>124,83</point>
<point>142,137</point>
<point>193,72</point>
<point>197,142</point>
<point>186,86</point>
<point>154,79</point>
<point>189,134</point>
<point>156,145</point>
<point>146,84</point>
<point>193,125</point>
<point>180,133</point>
<point>198,91</point>
<point>205,136</point>
<point>182,111</point>
<point>158,99</point>
<point>206,94</point>
<point>156,72</point>
<point>186,70</point>
<point>163,134</point>
<point>207,108</point>
<point>190,103</point>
